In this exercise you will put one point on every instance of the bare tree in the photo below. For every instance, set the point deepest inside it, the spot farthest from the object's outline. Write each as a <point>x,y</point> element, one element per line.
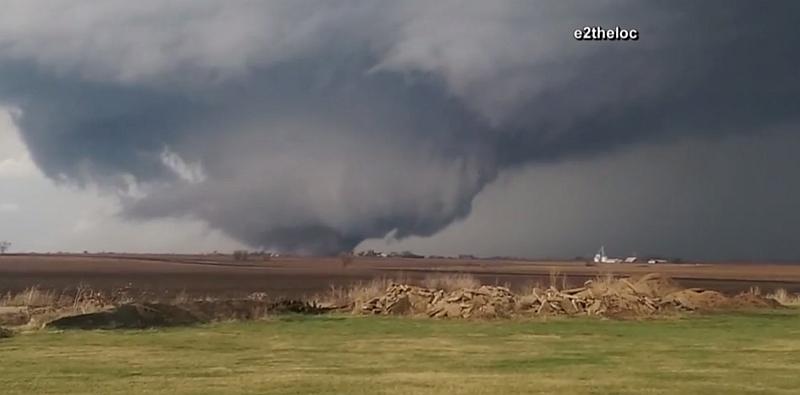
<point>4,246</point>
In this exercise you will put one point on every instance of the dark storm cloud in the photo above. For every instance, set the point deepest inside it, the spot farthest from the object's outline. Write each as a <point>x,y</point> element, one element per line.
<point>310,126</point>
<point>717,199</point>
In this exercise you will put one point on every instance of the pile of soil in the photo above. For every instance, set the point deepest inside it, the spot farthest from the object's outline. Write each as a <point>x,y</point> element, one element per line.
<point>751,301</point>
<point>149,315</point>
<point>648,295</point>
<point>696,299</point>
<point>486,301</point>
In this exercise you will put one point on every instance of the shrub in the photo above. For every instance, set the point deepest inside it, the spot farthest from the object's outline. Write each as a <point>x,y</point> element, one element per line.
<point>4,333</point>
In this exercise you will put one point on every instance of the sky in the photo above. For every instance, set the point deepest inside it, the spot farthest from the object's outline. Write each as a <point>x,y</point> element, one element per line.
<point>448,127</point>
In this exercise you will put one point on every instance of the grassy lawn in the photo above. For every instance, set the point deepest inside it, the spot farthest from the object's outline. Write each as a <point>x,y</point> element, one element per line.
<point>753,353</point>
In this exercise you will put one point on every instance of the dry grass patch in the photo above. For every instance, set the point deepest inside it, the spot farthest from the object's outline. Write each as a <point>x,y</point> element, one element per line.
<point>557,279</point>
<point>32,296</point>
<point>785,298</point>
<point>39,306</point>
<point>450,282</point>
<point>357,293</point>
<point>361,292</point>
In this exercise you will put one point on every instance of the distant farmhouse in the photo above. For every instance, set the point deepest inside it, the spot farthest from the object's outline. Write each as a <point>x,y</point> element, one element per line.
<point>601,257</point>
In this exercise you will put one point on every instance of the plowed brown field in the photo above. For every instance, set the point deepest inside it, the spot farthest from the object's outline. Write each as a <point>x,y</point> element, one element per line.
<point>221,276</point>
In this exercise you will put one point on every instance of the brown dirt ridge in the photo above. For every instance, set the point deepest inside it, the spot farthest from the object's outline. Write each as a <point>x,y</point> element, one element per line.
<point>645,296</point>
<point>149,315</point>
<point>461,297</point>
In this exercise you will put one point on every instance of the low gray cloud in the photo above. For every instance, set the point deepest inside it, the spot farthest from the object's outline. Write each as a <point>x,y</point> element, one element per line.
<point>722,199</point>
<point>311,126</point>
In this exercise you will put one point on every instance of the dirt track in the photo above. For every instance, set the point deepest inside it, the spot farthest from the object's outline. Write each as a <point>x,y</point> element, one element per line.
<point>221,276</point>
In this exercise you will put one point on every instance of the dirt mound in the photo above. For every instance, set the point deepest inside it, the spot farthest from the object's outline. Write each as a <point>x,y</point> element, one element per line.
<point>148,315</point>
<point>751,301</point>
<point>653,285</point>
<point>607,298</point>
<point>133,316</point>
<point>402,299</point>
<point>643,296</point>
<point>697,299</point>
<point>485,301</point>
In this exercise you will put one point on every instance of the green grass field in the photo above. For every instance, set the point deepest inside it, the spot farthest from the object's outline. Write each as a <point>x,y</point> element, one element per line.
<point>753,353</point>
